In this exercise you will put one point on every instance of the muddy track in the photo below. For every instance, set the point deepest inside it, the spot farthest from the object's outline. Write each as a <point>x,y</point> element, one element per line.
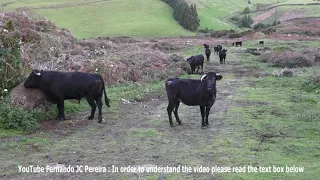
<point>139,134</point>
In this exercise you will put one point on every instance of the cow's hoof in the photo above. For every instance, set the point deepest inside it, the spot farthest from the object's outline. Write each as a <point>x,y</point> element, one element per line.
<point>171,125</point>
<point>61,119</point>
<point>90,117</point>
<point>99,119</point>
<point>180,123</point>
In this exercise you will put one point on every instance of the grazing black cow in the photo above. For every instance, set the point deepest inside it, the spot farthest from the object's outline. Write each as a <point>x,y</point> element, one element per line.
<point>206,46</point>
<point>208,52</point>
<point>196,61</point>
<point>217,49</point>
<point>222,56</point>
<point>261,43</point>
<point>192,92</point>
<point>239,43</point>
<point>58,86</point>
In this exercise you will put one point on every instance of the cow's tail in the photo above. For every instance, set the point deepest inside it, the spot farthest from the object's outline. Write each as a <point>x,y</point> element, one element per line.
<point>104,91</point>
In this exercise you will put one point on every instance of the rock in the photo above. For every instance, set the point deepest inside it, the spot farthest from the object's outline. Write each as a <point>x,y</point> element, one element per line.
<point>125,101</point>
<point>27,98</point>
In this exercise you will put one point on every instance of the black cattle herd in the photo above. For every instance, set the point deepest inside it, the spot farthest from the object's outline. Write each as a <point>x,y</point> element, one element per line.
<point>59,86</point>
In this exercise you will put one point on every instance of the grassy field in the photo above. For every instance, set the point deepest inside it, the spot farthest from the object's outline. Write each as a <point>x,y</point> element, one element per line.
<point>145,18</point>
<point>258,120</point>
<point>312,11</point>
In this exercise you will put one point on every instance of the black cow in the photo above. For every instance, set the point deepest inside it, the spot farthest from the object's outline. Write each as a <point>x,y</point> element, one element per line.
<point>208,52</point>
<point>239,43</point>
<point>206,46</point>
<point>192,92</point>
<point>261,43</point>
<point>196,61</point>
<point>233,44</point>
<point>217,49</point>
<point>222,56</point>
<point>58,86</point>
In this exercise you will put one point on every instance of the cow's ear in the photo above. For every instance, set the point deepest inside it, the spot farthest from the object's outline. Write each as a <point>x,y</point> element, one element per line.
<point>218,76</point>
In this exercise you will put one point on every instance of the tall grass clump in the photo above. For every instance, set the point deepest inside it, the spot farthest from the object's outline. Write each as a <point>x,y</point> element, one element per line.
<point>16,118</point>
<point>312,84</point>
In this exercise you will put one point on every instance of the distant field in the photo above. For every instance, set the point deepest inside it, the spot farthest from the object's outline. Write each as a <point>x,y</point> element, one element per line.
<point>213,13</point>
<point>145,18</point>
<point>308,10</point>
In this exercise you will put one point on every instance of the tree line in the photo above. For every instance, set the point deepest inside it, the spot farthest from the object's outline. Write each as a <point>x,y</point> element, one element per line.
<point>185,14</point>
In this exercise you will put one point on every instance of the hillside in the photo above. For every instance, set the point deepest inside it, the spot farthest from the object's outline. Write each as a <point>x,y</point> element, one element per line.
<point>88,19</point>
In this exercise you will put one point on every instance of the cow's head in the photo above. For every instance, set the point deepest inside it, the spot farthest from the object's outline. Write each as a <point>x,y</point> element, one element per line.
<point>33,79</point>
<point>211,78</point>
<point>190,59</point>
<point>223,50</point>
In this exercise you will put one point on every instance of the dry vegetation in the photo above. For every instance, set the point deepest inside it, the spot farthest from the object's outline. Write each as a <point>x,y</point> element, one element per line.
<point>292,59</point>
<point>44,46</point>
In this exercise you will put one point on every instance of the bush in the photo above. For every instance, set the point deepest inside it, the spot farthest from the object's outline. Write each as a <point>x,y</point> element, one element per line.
<point>260,26</point>
<point>246,10</point>
<point>16,118</point>
<point>288,59</point>
<point>246,21</point>
<point>312,84</point>
<point>11,68</point>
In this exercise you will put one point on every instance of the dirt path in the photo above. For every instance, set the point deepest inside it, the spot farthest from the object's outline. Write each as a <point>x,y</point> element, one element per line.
<point>138,134</point>
<point>263,16</point>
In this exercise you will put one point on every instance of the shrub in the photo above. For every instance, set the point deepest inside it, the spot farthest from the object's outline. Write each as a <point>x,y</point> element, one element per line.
<point>260,26</point>
<point>312,84</point>
<point>246,21</point>
<point>288,59</point>
<point>246,10</point>
<point>16,118</point>
<point>11,67</point>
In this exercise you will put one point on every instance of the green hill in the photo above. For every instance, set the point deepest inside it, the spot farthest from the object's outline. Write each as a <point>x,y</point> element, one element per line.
<point>87,19</point>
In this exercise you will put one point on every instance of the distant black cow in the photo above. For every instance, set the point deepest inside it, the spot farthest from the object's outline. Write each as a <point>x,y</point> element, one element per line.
<point>208,52</point>
<point>217,49</point>
<point>239,43</point>
<point>58,86</point>
<point>192,92</point>
<point>222,56</point>
<point>261,43</point>
<point>206,46</point>
<point>196,61</point>
<point>232,44</point>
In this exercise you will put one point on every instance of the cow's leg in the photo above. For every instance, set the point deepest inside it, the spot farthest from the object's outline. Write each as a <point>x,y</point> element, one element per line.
<point>176,112</point>
<point>202,115</point>
<point>170,109</point>
<point>60,106</point>
<point>93,107</point>
<point>207,114</point>
<point>198,69</point>
<point>99,104</point>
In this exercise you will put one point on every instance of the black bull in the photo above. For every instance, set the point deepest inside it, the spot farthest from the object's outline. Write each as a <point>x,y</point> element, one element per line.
<point>58,86</point>
<point>192,93</point>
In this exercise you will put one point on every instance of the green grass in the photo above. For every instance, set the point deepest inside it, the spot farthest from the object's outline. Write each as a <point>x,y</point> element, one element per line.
<point>145,18</point>
<point>281,129</point>
<point>212,13</point>
<point>140,18</point>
